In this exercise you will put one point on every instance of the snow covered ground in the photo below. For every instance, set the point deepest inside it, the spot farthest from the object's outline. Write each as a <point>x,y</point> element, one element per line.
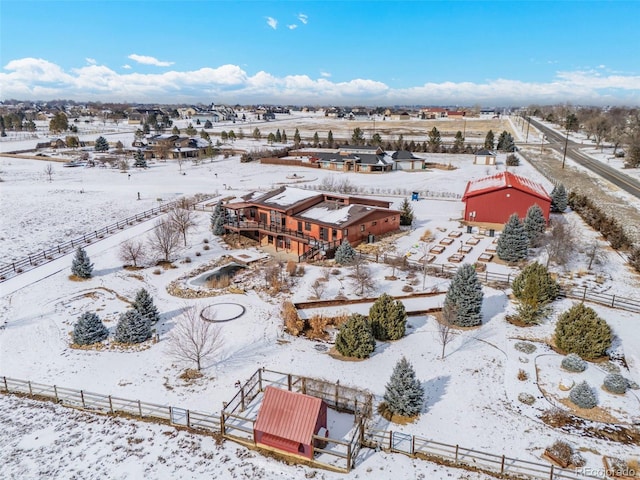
<point>471,394</point>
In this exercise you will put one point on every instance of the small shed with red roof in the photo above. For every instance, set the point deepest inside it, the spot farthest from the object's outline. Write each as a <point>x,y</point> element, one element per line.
<point>287,421</point>
<point>494,199</point>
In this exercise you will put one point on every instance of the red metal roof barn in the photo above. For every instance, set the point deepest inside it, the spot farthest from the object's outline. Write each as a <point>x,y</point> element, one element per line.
<point>493,199</point>
<point>288,420</point>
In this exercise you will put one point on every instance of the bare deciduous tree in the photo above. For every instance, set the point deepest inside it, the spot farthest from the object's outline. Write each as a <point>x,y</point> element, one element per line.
<point>193,339</point>
<point>595,254</point>
<point>182,220</point>
<point>560,243</point>
<point>446,334</point>
<point>165,239</point>
<point>48,171</point>
<point>132,251</point>
<point>317,288</point>
<point>361,276</point>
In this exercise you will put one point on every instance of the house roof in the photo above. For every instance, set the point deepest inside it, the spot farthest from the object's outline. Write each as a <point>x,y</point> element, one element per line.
<point>288,415</point>
<point>484,152</point>
<point>285,197</point>
<point>501,181</point>
<point>404,155</point>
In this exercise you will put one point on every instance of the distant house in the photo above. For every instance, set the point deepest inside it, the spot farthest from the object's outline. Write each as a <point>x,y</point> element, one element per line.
<point>287,421</point>
<point>405,160</point>
<point>494,199</point>
<point>353,159</point>
<point>456,114</point>
<point>484,157</point>
<point>400,116</point>
<point>307,223</point>
<point>432,113</point>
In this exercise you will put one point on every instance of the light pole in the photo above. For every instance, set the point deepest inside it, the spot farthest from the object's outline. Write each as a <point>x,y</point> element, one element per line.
<point>541,143</point>
<point>566,141</point>
<point>526,140</point>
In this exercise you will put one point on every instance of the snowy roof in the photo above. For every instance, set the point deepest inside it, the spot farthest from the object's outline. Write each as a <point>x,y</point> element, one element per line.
<point>504,180</point>
<point>286,197</point>
<point>337,214</point>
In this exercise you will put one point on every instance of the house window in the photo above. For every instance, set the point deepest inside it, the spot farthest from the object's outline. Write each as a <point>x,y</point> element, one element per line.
<point>324,234</point>
<point>270,239</point>
<point>393,219</point>
<point>300,226</point>
<point>373,224</point>
<point>307,226</point>
<point>335,234</point>
<point>263,217</point>
<point>362,228</point>
<point>345,232</point>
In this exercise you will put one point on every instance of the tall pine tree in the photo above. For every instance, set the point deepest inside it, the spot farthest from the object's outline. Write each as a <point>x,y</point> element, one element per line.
<point>464,297</point>
<point>345,253</point>
<point>81,266</point>
<point>534,289</point>
<point>388,318</point>
<point>406,215</point>
<point>534,224</point>
<point>132,328</point>
<point>144,305</point>
<point>513,243</point>
<point>559,199</point>
<point>89,329</point>
<point>404,393</point>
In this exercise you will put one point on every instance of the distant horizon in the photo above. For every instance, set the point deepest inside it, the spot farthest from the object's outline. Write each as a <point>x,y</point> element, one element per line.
<point>341,53</point>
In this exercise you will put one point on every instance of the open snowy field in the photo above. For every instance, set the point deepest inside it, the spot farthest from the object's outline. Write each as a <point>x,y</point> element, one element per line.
<point>471,395</point>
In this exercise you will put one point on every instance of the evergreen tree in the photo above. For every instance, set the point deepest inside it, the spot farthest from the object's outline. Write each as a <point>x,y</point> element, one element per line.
<point>505,142</point>
<point>345,253</point>
<point>101,145</point>
<point>458,143</point>
<point>404,393</point>
<point>316,139</point>
<point>376,140</point>
<point>271,138</point>
<point>140,162</point>
<point>465,297</point>
<point>435,140</point>
<point>296,138</point>
<point>278,137</point>
<point>388,318</point>
<point>81,266</point>
<point>218,227</point>
<point>190,130</point>
<point>284,136</point>
<point>534,224</point>
<point>489,140</point>
<point>330,141</point>
<point>559,199</point>
<point>534,289</point>
<point>143,304</point>
<point>406,215</point>
<point>89,329</point>
<point>208,124</point>
<point>355,338</point>
<point>59,123</point>
<point>357,137</point>
<point>217,213</point>
<point>175,131</point>
<point>513,244</point>
<point>580,330</point>
<point>132,328</point>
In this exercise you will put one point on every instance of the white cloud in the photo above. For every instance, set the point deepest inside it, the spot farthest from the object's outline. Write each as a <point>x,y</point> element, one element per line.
<point>272,22</point>
<point>35,78</point>
<point>91,61</point>
<point>146,60</point>
<point>126,66</point>
<point>303,18</point>
<point>293,26</point>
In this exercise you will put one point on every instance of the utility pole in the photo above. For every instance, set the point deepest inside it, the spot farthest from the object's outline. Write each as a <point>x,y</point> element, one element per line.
<point>566,141</point>
<point>528,125</point>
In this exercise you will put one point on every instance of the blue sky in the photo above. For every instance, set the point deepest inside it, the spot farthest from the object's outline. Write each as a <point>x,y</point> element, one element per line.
<point>330,52</point>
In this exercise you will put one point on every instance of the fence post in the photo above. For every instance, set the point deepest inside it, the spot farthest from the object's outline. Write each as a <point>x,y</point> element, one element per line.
<point>509,279</point>
<point>551,473</point>
<point>457,447</point>
<point>30,391</point>
<point>139,408</point>
<point>30,260</point>
<point>584,294</point>
<point>222,429</point>
<point>82,398</point>
<point>188,419</point>
<point>304,385</point>
<point>170,414</point>
<point>260,379</point>
<point>613,301</point>
<point>110,404</point>
<point>289,381</point>
<point>337,396</point>
<point>502,465</point>
<point>348,457</point>
<point>55,392</point>
<point>242,397</point>
<point>413,444</point>
<point>6,388</point>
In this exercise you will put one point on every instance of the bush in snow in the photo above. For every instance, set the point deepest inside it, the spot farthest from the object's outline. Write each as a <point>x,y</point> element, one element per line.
<point>615,383</point>
<point>89,329</point>
<point>580,330</point>
<point>559,199</point>
<point>345,253</point>
<point>388,318</point>
<point>355,338</point>
<point>573,363</point>
<point>143,303</point>
<point>464,297</point>
<point>404,394</point>
<point>81,266</point>
<point>525,347</point>
<point>534,224</point>
<point>132,328</point>
<point>526,398</point>
<point>583,396</point>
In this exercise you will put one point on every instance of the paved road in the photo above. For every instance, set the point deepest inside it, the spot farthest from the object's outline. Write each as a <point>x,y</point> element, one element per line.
<point>557,142</point>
